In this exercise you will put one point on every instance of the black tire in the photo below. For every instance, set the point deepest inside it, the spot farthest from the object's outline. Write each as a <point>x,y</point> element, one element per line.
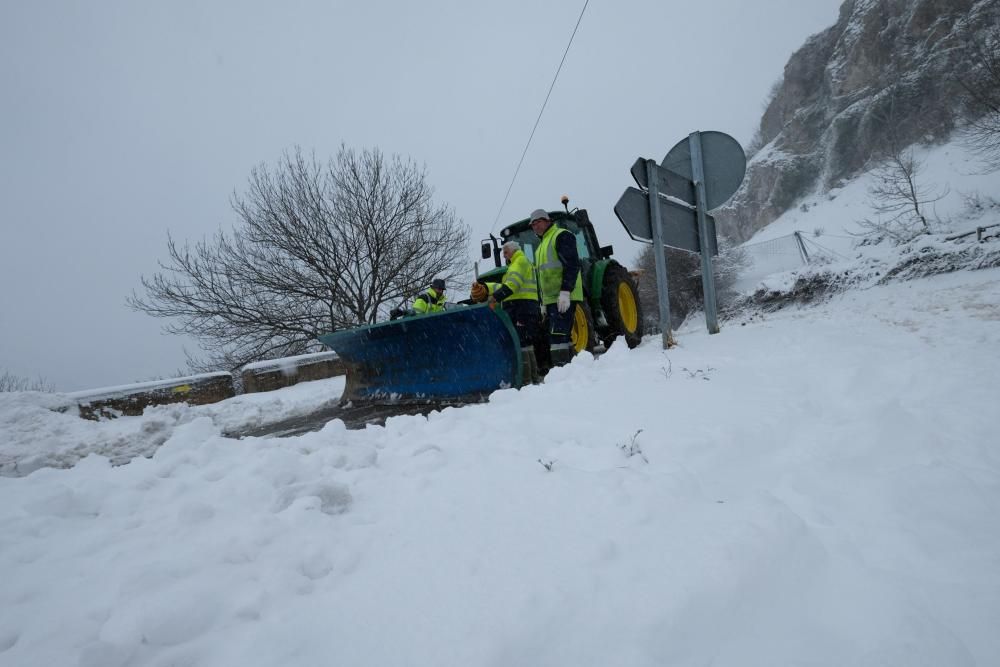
<point>583,334</point>
<point>622,309</point>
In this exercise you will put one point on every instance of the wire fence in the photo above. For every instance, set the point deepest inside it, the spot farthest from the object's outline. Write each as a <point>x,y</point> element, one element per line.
<point>982,233</point>
<point>784,253</point>
<point>773,256</point>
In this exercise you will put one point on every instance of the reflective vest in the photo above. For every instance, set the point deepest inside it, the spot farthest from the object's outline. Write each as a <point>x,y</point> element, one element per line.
<point>428,302</point>
<point>519,279</point>
<point>550,269</point>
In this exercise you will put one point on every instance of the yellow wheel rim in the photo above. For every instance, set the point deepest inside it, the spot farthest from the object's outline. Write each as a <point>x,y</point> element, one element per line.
<point>579,334</point>
<point>626,307</point>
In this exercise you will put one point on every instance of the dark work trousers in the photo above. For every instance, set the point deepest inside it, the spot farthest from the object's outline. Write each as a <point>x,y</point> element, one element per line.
<point>527,320</point>
<point>560,324</point>
<point>525,315</point>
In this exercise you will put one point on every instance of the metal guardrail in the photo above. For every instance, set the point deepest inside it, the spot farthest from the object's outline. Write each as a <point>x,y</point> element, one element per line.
<point>280,373</point>
<point>132,399</point>
<point>978,231</point>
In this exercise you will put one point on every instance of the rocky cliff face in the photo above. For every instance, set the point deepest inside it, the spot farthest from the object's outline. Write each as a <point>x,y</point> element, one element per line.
<point>885,75</point>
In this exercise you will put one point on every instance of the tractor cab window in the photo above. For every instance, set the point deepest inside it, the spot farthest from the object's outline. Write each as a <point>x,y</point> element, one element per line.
<point>581,244</point>
<point>581,239</point>
<point>529,242</point>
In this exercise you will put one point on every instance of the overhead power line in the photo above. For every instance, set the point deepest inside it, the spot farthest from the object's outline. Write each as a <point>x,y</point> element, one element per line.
<point>537,120</point>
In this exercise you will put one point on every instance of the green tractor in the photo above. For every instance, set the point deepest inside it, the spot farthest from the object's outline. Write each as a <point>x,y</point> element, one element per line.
<point>611,305</point>
<point>462,355</point>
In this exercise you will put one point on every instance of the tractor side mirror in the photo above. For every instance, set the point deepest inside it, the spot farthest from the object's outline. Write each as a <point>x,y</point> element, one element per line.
<point>607,251</point>
<point>487,252</point>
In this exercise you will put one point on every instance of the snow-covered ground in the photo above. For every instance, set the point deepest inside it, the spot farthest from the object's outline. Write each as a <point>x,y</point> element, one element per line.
<point>40,430</point>
<point>815,486</point>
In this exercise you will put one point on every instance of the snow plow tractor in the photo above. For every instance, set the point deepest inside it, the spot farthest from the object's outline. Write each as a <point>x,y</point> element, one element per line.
<point>611,305</point>
<point>469,350</point>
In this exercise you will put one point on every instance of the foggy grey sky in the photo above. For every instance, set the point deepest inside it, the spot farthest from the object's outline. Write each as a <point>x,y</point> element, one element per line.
<point>125,120</point>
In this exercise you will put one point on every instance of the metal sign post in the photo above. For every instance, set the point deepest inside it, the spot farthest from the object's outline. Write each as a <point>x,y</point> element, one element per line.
<point>707,270</point>
<point>698,174</point>
<point>660,258</point>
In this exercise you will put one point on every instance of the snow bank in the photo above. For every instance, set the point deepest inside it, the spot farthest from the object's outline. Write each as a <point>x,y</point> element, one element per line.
<point>817,487</point>
<point>41,430</point>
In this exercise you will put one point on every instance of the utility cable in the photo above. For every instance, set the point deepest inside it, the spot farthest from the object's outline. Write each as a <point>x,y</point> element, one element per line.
<point>538,120</point>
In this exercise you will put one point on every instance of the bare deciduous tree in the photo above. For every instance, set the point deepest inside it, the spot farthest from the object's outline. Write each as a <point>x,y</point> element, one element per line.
<point>898,199</point>
<point>896,194</point>
<point>684,281</point>
<point>981,99</point>
<point>321,247</point>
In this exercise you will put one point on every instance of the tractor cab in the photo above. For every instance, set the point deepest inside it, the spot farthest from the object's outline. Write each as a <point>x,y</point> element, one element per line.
<point>576,221</point>
<point>611,300</point>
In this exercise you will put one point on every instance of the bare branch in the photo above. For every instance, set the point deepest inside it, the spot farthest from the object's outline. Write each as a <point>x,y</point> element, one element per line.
<point>896,195</point>
<point>981,96</point>
<point>320,247</point>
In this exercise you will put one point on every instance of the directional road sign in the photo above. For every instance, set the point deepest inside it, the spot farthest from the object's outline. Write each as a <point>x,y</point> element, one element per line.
<point>669,183</point>
<point>680,222</point>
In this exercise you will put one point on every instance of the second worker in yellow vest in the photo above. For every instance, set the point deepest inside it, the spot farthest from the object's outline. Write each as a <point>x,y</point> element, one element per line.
<point>518,295</point>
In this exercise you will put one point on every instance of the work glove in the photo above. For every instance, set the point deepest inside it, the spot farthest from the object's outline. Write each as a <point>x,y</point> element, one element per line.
<point>541,308</point>
<point>563,303</point>
<point>478,293</point>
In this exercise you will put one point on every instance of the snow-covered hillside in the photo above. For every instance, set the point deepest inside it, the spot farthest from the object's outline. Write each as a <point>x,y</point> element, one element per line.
<point>888,73</point>
<point>963,197</point>
<point>818,485</point>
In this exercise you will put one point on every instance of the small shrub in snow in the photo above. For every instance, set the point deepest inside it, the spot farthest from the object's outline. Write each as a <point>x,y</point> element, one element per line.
<point>667,370</point>
<point>975,205</point>
<point>633,448</point>
<point>698,373</point>
<point>11,382</point>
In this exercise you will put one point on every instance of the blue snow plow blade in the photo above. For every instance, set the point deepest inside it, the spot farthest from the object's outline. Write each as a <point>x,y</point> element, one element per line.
<point>462,355</point>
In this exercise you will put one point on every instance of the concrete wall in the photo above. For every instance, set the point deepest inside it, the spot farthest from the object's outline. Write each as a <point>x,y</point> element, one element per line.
<point>271,375</point>
<point>131,400</point>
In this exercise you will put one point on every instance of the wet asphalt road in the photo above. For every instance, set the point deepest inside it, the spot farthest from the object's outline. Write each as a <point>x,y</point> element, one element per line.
<point>354,417</point>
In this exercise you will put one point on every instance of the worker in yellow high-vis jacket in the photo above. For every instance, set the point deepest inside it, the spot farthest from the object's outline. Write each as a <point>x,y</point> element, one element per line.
<point>560,282</point>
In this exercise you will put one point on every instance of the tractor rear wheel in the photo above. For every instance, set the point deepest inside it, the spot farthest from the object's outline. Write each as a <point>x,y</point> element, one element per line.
<point>583,334</point>
<point>620,301</point>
